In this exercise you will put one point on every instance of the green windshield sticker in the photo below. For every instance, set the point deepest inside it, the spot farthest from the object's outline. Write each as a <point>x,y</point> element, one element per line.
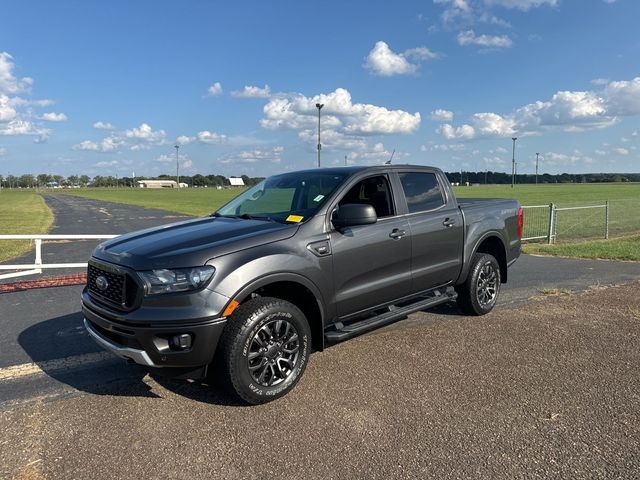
<point>318,198</point>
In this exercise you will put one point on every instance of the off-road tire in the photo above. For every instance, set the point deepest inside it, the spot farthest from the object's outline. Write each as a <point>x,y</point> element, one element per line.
<point>471,298</point>
<point>238,339</point>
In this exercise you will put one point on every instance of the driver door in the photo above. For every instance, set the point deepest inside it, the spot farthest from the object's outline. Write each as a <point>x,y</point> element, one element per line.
<point>371,263</point>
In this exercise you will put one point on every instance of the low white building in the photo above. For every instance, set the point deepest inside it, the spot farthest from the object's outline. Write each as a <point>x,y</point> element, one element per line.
<point>160,184</point>
<point>236,182</point>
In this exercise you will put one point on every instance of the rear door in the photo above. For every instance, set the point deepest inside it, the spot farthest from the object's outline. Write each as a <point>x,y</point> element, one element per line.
<point>436,229</point>
<point>371,263</point>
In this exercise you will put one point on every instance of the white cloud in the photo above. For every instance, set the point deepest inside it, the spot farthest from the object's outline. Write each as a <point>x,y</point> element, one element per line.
<point>3,151</point>
<point>9,83</point>
<point>374,155</point>
<point>7,109</point>
<point>250,91</point>
<point>164,158</point>
<point>215,89</point>
<point>342,120</point>
<point>562,159</point>
<point>572,111</point>
<point>462,132</point>
<point>16,115</point>
<point>469,37</point>
<point>108,164</point>
<point>211,137</point>
<point>103,126</point>
<point>444,147</point>
<point>270,155</point>
<point>187,164</point>
<point>441,115</point>
<point>108,144</point>
<point>623,97</point>
<point>383,61</point>
<point>24,127</point>
<point>184,139</point>
<point>521,4</point>
<point>54,117</point>
<point>599,152</point>
<point>621,151</point>
<point>143,137</point>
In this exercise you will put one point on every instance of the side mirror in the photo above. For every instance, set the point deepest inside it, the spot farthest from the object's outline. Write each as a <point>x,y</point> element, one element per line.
<point>352,214</point>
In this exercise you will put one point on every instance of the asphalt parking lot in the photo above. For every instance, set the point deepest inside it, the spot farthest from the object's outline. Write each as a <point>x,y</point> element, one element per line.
<point>546,386</point>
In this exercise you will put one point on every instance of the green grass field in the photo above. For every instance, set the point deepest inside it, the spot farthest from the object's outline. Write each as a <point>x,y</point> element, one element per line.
<point>580,225</point>
<point>624,207</point>
<point>623,248</point>
<point>190,201</point>
<point>21,211</point>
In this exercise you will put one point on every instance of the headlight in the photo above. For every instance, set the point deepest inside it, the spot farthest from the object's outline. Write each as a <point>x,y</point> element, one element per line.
<point>178,280</point>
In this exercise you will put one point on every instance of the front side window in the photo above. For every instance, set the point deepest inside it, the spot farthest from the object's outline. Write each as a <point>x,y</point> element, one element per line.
<point>373,191</point>
<point>290,197</point>
<point>422,191</point>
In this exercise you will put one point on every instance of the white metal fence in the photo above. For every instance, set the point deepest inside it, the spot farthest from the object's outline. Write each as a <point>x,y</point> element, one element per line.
<point>541,222</point>
<point>550,222</point>
<point>38,266</point>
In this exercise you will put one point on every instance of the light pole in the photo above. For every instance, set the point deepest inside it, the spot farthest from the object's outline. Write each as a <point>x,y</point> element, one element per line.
<point>319,107</point>
<point>177,166</point>
<point>513,163</point>
<point>537,155</point>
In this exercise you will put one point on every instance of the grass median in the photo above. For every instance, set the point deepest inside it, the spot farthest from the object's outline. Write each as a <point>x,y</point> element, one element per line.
<point>21,212</point>
<point>190,201</point>
<point>624,248</point>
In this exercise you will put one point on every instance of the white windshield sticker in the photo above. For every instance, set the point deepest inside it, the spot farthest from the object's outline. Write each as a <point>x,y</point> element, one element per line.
<point>318,198</point>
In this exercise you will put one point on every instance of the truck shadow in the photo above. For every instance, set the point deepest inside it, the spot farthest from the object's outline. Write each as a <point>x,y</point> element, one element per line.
<point>64,351</point>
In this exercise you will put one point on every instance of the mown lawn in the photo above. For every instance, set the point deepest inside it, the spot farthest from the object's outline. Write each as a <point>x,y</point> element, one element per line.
<point>21,212</point>
<point>623,198</point>
<point>624,213</point>
<point>625,248</point>
<point>190,201</point>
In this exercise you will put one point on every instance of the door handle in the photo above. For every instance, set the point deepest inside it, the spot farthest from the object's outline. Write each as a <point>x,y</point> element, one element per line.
<point>397,233</point>
<point>449,222</point>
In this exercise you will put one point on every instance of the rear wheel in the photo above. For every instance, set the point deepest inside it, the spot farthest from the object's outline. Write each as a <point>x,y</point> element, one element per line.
<point>265,349</point>
<point>479,293</point>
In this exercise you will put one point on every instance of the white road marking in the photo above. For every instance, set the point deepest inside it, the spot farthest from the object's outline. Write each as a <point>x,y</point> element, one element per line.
<point>59,364</point>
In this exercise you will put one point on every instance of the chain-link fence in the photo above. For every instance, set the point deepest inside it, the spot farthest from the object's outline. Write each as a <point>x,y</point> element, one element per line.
<point>537,219</point>
<point>553,223</point>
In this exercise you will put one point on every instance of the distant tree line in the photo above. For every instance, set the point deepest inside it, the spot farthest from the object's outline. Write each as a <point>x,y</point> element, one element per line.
<point>45,180</point>
<point>489,177</point>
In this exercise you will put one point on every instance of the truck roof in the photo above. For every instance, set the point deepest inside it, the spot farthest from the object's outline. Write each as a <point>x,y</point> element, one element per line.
<point>359,168</point>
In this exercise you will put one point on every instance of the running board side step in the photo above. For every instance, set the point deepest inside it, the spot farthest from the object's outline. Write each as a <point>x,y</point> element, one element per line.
<point>339,332</point>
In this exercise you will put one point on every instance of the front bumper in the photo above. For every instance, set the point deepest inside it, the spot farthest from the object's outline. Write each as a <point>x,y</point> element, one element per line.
<point>148,343</point>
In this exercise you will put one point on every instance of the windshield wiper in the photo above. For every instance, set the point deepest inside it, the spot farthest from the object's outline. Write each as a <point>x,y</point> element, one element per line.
<point>246,216</point>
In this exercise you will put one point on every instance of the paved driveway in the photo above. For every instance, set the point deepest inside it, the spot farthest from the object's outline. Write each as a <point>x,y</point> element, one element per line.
<point>537,388</point>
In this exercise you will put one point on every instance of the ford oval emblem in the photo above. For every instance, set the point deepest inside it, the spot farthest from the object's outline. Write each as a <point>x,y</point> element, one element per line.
<point>102,283</point>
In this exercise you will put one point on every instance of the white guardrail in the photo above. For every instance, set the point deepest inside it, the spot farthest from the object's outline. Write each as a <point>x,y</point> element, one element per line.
<point>38,266</point>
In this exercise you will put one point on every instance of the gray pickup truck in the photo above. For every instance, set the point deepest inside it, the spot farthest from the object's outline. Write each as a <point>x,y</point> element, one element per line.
<point>295,263</point>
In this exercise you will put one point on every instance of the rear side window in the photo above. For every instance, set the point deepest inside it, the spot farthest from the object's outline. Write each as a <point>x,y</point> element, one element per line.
<point>422,191</point>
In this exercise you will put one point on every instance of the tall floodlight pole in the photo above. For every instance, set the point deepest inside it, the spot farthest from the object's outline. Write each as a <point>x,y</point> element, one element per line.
<point>319,107</point>
<point>513,162</point>
<point>177,166</point>
<point>537,155</point>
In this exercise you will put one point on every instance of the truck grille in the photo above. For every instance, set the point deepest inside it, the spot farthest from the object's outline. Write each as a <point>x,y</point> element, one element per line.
<point>110,287</point>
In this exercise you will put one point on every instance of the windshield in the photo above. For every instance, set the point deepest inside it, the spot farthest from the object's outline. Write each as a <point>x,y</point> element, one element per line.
<point>286,198</point>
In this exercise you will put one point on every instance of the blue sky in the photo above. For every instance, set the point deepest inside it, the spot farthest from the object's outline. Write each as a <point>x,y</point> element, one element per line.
<point>106,88</point>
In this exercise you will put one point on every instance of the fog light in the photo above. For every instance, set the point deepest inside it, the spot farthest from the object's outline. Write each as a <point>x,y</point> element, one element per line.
<point>182,341</point>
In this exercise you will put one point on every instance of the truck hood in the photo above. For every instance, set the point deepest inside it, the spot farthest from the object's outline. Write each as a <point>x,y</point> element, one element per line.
<point>190,243</point>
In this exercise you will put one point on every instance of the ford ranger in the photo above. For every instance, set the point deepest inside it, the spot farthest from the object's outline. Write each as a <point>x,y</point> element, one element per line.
<point>297,262</point>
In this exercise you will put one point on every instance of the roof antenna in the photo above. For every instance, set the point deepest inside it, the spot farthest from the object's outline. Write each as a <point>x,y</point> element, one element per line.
<point>388,162</point>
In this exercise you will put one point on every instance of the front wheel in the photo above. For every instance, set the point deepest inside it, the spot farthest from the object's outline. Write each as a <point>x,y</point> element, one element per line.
<point>265,349</point>
<point>479,293</point>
